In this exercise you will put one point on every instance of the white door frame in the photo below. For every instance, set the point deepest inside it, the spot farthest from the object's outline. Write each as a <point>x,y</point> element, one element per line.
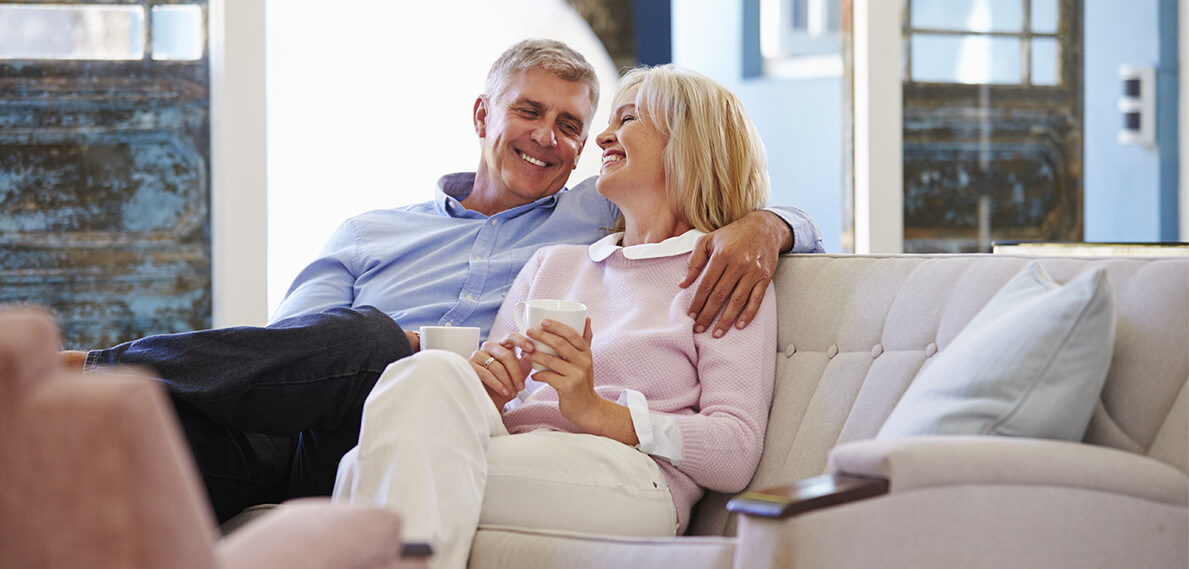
<point>879,127</point>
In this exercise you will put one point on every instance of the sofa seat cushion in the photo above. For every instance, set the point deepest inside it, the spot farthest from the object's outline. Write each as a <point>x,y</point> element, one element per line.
<point>1031,363</point>
<point>499,547</point>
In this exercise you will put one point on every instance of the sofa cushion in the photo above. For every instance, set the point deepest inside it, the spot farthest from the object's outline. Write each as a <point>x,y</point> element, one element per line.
<point>1031,363</point>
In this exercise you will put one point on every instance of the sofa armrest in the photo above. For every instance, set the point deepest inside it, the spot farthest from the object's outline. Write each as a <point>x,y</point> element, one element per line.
<point>807,495</point>
<point>313,533</point>
<point>930,461</point>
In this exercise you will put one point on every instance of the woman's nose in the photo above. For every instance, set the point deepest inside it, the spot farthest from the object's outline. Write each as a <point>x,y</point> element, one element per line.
<point>605,138</point>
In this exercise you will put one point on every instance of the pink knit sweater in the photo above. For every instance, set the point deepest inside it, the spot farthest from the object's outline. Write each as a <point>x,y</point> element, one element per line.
<point>718,390</point>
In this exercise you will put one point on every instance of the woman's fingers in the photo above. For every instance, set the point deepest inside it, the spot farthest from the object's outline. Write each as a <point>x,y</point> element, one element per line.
<point>492,371</point>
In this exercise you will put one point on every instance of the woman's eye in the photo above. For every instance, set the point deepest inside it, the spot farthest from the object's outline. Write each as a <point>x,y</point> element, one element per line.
<point>626,118</point>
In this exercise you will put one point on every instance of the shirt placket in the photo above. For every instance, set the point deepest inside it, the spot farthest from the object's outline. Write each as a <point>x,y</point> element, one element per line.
<point>479,268</point>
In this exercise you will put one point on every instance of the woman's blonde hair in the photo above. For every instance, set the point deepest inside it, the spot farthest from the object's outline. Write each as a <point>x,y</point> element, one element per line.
<point>716,169</point>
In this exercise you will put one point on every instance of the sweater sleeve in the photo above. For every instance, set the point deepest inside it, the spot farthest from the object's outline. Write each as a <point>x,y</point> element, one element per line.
<point>722,443</point>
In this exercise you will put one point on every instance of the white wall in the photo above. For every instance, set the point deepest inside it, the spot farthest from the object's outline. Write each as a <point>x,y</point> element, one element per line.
<point>369,102</point>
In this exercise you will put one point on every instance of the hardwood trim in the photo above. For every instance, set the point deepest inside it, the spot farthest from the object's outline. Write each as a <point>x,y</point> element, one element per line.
<point>807,495</point>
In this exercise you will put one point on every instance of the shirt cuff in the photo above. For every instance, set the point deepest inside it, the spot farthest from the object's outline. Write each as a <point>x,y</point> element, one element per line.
<point>807,238</point>
<point>658,433</point>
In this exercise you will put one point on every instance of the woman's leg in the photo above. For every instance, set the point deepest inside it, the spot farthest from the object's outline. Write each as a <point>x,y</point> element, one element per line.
<point>422,451</point>
<point>576,482</point>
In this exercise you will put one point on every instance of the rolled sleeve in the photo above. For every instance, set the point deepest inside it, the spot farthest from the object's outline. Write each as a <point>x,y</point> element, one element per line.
<point>807,238</point>
<point>659,434</point>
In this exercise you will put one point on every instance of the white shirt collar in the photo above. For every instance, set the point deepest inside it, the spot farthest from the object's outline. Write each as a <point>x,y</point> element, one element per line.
<point>681,244</point>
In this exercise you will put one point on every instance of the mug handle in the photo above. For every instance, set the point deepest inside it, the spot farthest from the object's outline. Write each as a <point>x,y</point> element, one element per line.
<point>518,315</point>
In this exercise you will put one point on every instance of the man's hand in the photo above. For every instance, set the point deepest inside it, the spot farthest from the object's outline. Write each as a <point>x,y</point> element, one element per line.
<point>737,263</point>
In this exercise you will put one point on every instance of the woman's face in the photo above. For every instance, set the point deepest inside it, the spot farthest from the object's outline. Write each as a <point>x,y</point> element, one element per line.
<point>633,157</point>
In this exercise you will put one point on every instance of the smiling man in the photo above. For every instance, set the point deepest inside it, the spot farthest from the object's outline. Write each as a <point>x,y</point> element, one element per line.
<point>532,134</point>
<point>268,412</point>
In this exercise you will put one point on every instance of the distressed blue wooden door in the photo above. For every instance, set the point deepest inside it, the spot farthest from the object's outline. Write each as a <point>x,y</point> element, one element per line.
<point>105,169</point>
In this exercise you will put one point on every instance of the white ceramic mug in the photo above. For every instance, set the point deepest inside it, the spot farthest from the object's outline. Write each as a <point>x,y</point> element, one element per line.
<point>462,340</point>
<point>530,313</point>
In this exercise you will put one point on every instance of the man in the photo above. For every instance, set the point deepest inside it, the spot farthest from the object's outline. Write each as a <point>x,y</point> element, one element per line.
<point>270,411</point>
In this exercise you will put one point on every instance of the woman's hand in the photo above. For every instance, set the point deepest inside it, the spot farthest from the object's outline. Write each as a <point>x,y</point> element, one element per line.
<point>501,372</point>
<point>570,372</point>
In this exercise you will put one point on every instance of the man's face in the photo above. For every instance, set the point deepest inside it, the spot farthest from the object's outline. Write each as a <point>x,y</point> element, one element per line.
<point>532,135</point>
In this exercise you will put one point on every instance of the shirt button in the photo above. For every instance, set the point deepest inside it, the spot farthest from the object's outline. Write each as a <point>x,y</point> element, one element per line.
<point>478,258</point>
<point>493,222</point>
<point>467,296</point>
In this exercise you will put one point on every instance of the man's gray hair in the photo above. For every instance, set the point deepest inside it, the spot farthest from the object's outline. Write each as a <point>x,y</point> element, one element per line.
<point>552,56</point>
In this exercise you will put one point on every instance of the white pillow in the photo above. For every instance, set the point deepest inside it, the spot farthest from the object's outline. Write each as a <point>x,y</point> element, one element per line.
<point>1031,363</point>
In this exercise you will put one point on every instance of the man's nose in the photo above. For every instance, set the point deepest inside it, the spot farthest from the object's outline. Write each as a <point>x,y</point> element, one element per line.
<point>543,135</point>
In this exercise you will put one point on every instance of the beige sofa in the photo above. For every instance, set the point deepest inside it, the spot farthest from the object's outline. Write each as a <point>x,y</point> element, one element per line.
<point>854,332</point>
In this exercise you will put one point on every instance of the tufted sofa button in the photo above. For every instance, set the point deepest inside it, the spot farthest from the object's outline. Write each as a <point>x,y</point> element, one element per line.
<point>833,351</point>
<point>789,350</point>
<point>876,351</point>
<point>930,350</point>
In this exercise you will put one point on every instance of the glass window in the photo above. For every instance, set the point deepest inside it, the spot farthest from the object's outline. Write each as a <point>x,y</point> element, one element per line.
<point>968,15</point>
<point>1044,16</point>
<point>49,31</point>
<point>177,32</point>
<point>965,59</point>
<point>1046,62</point>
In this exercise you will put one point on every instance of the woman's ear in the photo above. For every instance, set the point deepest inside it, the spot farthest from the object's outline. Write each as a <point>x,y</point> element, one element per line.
<point>479,116</point>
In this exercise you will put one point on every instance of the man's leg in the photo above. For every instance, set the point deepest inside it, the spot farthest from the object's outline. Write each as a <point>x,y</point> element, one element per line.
<point>243,394</point>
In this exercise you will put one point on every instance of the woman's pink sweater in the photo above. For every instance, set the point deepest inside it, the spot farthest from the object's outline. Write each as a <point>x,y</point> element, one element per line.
<point>717,390</point>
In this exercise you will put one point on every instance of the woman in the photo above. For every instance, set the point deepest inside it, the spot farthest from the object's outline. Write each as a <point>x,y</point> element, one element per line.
<point>626,446</point>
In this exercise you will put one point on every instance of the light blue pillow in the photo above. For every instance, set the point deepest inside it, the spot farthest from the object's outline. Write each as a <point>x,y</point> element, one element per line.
<point>1031,363</point>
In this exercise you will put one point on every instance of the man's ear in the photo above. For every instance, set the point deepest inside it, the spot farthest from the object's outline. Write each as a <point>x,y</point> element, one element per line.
<point>479,116</point>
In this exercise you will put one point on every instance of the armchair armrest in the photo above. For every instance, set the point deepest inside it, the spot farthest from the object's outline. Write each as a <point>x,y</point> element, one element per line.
<point>313,533</point>
<point>932,461</point>
<point>807,495</point>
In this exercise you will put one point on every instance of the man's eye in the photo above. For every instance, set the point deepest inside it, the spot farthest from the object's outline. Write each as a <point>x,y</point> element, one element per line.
<point>528,112</point>
<point>569,129</point>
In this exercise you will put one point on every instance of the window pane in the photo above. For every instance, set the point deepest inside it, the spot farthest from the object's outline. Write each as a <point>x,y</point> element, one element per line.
<point>965,59</point>
<point>1046,66</point>
<point>1044,16</point>
<point>968,15</point>
<point>47,31</point>
<point>177,32</point>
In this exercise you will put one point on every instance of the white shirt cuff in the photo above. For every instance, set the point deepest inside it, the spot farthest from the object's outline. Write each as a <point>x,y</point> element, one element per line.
<point>658,433</point>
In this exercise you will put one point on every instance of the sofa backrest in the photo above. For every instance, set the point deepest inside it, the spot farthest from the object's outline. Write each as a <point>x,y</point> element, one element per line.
<point>854,330</point>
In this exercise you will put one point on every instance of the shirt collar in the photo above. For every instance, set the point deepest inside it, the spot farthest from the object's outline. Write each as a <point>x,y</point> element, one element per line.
<point>453,188</point>
<point>679,245</point>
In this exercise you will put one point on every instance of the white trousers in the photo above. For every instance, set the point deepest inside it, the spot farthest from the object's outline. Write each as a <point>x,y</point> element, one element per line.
<point>434,449</point>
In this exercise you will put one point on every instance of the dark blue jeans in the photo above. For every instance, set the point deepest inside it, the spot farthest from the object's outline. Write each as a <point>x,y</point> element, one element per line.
<point>268,412</point>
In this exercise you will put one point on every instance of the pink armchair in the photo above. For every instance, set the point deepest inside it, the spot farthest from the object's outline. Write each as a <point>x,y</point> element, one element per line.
<point>96,474</point>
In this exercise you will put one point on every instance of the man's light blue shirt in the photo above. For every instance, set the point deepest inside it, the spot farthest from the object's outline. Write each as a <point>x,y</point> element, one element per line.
<point>439,263</point>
